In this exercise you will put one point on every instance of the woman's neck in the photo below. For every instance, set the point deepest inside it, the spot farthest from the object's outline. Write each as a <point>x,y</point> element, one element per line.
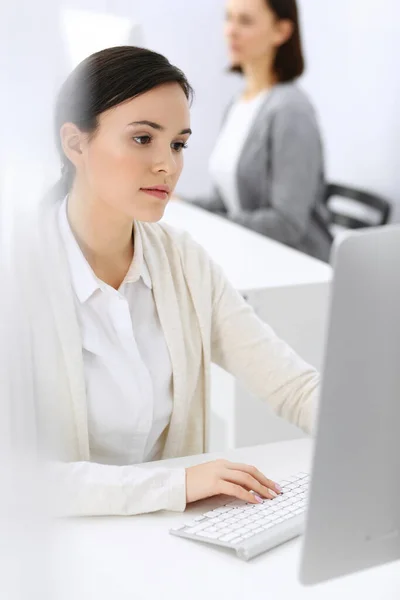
<point>104,235</point>
<point>259,76</point>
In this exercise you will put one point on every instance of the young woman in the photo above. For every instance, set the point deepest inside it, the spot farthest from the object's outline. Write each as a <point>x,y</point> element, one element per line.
<point>136,310</point>
<point>267,166</point>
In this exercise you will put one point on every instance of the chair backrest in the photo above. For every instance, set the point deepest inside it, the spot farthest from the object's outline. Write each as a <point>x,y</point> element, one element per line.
<point>354,209</point>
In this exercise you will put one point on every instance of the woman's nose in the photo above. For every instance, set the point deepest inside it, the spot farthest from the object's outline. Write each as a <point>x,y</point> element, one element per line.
<point>166,163</point>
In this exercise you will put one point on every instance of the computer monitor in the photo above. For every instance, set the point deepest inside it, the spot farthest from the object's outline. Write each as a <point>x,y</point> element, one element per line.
<point>353,519</point>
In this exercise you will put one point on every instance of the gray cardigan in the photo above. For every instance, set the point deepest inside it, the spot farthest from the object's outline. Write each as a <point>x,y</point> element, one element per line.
<point>280,175</point>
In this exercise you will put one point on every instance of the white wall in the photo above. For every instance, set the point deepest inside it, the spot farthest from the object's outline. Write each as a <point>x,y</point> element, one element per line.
<point>353,77</point>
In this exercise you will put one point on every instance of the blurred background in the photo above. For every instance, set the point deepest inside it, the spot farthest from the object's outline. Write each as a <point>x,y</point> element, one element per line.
<point>351,50</point>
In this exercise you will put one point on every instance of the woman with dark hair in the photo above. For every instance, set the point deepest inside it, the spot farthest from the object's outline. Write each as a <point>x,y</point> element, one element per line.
<point>267,166</point>
<point>137,311</point>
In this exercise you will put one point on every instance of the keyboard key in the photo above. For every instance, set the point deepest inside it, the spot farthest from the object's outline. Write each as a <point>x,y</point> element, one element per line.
<point>243,530</point>
<point>220,526</point>
<point>208,535</point>
<point>267,519</point>
<point>242,517</point>
<point>178,528</point>
<point>236,541</point>
<point>190,524</point>
<point>225,531</point>
<point>286,502</point>
<point>213,521</point>
<point>222,510</point>
<point>228,538</point>
<point>197,528</point>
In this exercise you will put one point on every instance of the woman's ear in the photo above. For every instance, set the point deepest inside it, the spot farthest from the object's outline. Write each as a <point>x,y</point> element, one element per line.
<point>285,31</point>
<point>72,141</point>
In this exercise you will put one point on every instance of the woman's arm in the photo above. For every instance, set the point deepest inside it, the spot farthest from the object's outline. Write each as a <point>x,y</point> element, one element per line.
<point>90,489</point>
<point>248,348</point>
<point>296,171</point>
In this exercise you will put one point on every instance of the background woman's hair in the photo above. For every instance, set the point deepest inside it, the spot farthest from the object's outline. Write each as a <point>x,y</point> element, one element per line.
<point>289,60</point>
<point>102,81</point>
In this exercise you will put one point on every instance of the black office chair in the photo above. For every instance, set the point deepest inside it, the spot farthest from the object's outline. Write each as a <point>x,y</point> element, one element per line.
<point>360,208</point>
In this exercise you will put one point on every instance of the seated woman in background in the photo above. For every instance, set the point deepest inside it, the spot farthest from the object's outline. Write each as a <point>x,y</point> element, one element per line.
<point>129,313</point>
<point>267,166</point>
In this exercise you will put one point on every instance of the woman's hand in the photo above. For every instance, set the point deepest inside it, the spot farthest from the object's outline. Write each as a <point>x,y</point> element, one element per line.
<point>233,479</point>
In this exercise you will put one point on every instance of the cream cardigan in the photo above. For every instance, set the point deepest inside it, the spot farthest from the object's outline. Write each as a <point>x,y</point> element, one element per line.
<point>204,320</point>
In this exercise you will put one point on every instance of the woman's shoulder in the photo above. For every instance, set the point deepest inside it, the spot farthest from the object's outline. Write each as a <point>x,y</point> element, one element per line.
<point>172,240</point>
<point>290,98</point>
<point>175,251</point>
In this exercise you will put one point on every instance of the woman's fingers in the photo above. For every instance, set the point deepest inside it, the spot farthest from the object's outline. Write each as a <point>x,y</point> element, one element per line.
<point>223,477</point>
<point>233,489</point>
<point>249,482</point>
<point>268,483</point>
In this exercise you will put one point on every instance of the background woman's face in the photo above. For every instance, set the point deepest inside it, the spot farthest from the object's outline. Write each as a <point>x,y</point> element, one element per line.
<point>138,145</point>
<point>251,30</point>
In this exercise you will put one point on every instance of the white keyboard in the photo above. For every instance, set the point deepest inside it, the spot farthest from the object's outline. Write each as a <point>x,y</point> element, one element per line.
<point>251,529</point>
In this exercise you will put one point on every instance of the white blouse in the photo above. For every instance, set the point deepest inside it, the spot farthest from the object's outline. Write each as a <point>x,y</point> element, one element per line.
<point>225,157</point>
<point>127,367</point>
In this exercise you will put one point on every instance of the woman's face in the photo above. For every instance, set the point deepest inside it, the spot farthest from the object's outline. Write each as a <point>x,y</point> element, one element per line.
<point>252,31</point>
<point>134,159</point>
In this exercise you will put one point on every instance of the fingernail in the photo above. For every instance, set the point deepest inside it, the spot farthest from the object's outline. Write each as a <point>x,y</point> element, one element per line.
<point>258,498</point>
<point>278,488</point>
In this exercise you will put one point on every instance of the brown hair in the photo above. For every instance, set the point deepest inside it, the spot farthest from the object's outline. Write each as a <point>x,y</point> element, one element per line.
<point>289,60</point>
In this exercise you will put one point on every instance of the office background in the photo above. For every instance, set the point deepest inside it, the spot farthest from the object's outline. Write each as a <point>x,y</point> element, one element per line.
<point>352,77</point>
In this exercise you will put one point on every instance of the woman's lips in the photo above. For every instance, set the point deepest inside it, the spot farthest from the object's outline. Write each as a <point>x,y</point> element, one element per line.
<point>157,193</point>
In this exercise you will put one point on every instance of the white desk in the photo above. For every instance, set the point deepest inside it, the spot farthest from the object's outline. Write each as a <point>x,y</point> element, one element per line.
<point>136,558</point>
<point>288,289</point>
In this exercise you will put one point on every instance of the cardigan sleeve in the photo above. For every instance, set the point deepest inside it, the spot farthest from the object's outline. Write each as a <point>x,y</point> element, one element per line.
<point>91,489</point>
<point>246,347</point>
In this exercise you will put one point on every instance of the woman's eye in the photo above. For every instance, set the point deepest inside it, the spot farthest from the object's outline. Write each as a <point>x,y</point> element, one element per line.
<point>142,140</point>
<point>245,20</point>
<point>179,146</point>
